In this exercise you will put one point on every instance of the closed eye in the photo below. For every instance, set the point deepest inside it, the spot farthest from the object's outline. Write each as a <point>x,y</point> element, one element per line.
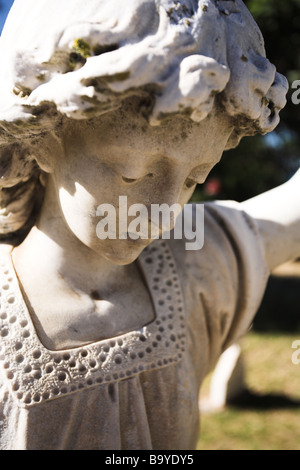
<point>189,183</point>
<point>197,176</point>
<point>129,180</point>
<point>134,180</point>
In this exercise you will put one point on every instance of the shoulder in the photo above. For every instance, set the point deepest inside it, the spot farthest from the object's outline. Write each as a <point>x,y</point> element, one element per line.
<point>219,233</point>
<point>227,276</point>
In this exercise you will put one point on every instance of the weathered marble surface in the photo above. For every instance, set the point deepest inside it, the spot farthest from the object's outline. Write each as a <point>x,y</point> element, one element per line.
<point>139,99</point>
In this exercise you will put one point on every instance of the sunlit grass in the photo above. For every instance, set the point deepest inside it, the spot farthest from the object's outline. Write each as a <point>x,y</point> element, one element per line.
<point>269,371</point>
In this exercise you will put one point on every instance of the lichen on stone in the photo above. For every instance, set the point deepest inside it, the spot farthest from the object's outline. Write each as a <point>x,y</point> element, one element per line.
<point>82,48</point>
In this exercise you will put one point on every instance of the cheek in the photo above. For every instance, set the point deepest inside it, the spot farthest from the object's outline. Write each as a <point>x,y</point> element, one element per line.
<point>79,210</point>
<point>80,213</point>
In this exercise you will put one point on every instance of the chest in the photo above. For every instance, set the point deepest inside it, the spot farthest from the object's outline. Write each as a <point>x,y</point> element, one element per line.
<point>38,373</point>
<point>78,317</point>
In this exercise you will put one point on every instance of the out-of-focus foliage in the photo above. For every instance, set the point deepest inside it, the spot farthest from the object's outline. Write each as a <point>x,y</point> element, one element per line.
<point>280,23</point>
<point>260,163</point>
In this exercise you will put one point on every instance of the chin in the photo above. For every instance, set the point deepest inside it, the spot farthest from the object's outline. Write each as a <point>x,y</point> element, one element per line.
<point>124,252</point>
<point>121,259</point>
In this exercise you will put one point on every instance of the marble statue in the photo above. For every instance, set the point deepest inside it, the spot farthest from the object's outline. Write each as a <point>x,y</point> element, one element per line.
<point>105,341</point>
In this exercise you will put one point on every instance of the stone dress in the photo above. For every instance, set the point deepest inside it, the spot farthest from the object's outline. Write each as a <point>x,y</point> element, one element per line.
<point>138,390</point>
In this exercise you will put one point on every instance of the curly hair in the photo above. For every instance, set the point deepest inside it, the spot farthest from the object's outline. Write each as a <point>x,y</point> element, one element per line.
<point>69,60</point>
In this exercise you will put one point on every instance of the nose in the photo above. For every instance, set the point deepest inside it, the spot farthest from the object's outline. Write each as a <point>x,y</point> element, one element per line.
<point>165,202</point>
<point>168,189</point>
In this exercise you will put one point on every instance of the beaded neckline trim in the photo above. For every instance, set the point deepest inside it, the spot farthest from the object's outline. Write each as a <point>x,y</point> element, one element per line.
<point>36,374</point>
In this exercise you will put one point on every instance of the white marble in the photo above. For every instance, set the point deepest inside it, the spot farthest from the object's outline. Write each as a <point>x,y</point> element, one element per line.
<point>137,99</point>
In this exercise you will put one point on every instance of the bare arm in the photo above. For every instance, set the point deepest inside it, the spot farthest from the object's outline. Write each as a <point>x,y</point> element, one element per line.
<point>278,215</point>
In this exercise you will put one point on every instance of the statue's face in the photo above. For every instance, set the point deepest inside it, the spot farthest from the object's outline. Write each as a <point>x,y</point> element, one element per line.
<point>119,154</point>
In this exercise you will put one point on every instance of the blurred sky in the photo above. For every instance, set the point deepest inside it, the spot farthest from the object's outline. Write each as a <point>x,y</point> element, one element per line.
<point>4,9</point>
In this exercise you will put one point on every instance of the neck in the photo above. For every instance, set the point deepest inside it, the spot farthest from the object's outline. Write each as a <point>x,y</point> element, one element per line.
<point>53,246</point>
<point>74,295</point>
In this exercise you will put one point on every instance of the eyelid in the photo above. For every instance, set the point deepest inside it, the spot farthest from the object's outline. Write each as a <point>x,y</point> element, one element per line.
<point>131,172</point>
<point>189,183</point>
<point>199,174</point>
<point>128,180</point>
<point>128,175</point>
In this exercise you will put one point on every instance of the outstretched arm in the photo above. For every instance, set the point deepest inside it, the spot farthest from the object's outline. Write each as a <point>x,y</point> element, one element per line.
<point>277,213</point>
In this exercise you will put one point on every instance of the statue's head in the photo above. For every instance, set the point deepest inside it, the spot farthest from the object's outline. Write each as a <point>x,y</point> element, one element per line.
<point>155,72</point>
